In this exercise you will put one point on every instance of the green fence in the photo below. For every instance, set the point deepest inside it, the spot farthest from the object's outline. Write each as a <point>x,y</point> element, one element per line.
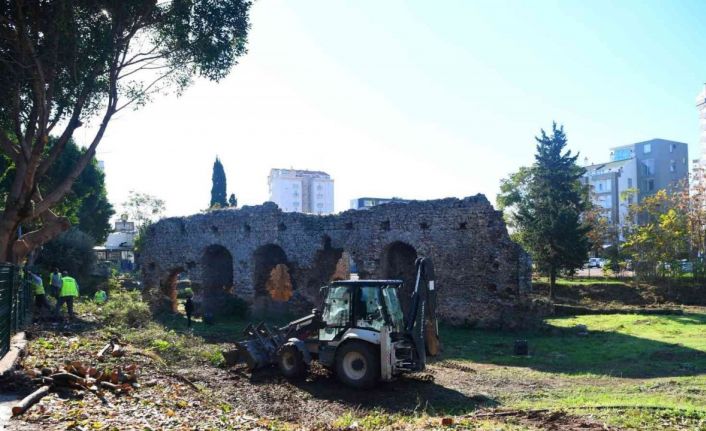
<point>15,304</point>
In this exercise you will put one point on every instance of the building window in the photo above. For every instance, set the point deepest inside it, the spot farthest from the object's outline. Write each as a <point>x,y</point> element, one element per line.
<point>320,196</point>
<point>648,166</point>
<point>295,194</point>
<point>295,204</point>
<point>672,147</point>
<point>629,183</point>
<point>319,205</point>
<point>650,185</point>
<point>672,166</point>
<point>319,187</point>
<point>621,154</point>
<point>647,148</point>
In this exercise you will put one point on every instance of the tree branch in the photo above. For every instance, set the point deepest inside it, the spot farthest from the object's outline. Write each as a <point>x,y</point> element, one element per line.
<point>8,147</point>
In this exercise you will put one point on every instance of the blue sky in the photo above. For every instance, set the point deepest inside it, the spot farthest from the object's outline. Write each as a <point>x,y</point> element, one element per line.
<point>417,99</point>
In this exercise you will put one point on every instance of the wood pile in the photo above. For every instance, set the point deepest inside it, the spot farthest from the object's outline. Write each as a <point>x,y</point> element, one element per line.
<point>76,375</point>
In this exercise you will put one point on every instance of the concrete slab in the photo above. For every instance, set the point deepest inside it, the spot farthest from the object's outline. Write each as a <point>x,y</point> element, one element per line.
<point>7,400</point>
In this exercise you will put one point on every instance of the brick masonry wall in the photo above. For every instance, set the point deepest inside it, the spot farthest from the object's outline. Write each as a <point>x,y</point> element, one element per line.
<point>482,276</point>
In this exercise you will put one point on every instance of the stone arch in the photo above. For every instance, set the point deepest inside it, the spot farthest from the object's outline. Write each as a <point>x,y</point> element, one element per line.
<point>330,263</point>
<point>397,262</point>
<point>169,289</point>
<point>216,276</point>
<point>272,274</point>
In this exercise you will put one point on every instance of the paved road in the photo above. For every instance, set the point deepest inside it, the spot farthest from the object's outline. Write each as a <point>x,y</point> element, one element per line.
<point>6,403</point>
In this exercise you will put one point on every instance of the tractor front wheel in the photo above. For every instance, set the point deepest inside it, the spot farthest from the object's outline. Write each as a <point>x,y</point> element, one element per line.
<point>290,362</point>
<point>358,364</point>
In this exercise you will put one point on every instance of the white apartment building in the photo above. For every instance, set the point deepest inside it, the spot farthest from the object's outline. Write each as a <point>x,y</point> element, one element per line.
<point>294,190</point>
<point>701,107</point>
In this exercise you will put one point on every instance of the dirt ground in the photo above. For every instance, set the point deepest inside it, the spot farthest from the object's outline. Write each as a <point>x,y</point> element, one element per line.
<point>202,396</point>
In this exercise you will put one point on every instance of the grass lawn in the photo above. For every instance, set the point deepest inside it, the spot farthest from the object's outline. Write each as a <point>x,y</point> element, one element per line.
<point>642,372</point>
<point>630,371</point>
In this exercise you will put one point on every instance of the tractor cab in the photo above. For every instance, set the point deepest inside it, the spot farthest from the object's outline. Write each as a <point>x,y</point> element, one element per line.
<point>368,305</point>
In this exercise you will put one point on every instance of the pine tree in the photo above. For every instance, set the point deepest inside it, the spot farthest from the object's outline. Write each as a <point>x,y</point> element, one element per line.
<point>218,190</point>
<point>550,214</point>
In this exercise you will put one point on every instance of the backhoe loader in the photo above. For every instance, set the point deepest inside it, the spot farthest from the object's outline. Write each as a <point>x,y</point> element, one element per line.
<point>361,332</point>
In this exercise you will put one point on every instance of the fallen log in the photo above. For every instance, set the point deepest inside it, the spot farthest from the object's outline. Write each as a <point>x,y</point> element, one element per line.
<point>65,378</point>
<point>104,350</point>
<point>30,400</point>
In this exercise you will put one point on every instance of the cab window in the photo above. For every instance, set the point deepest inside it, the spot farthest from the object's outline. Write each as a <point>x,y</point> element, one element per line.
<point>336,312</point>
<point>368,310</point>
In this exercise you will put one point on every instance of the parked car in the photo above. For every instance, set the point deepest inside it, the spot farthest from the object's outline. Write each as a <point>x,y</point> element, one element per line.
<point>683,264</point>
<point>595,262</point>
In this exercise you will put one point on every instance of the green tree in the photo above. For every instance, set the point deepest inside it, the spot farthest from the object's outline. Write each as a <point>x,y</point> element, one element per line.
<point>513,191</point>
<point>85,206</point>
<point>143,208</point>
<point>232,201</point>
<point>64,62</point>
<point>548,212</point>
<point>218,188</point>
<point>662,240</point>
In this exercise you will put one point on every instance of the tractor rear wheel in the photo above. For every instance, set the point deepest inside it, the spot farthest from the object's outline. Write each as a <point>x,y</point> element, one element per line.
<point>290,362</point>
<point>358,364</point>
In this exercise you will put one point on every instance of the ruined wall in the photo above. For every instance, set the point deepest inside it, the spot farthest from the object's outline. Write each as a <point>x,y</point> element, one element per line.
<point>482,276</point>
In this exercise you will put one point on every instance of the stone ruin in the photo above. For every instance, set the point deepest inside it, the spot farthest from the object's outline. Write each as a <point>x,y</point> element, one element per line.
<point>277,262</point>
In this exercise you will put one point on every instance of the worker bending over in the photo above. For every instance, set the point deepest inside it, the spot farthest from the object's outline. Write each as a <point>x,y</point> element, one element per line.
<point>69,291</point>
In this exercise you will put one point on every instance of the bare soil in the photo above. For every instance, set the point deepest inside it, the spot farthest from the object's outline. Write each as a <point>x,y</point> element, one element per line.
<point>201,396</point>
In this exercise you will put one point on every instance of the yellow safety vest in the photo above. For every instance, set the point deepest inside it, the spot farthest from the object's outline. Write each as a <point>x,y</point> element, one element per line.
<point>38,286</point>
<point>100,297</point>
<point>69,287</point>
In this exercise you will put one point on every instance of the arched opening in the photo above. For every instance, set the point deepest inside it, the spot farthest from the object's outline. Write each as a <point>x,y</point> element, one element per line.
<point>272,277</point>
<point>330,264</point>
<point>216,276</point>
<point>169,290</point>
<point>397,262</point>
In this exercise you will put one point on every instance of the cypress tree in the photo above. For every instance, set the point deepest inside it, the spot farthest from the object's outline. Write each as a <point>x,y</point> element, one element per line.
<point>218,189</point>
<point>549,216</point>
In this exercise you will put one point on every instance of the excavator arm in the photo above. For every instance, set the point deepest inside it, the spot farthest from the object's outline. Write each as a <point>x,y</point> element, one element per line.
<point>421,320</point>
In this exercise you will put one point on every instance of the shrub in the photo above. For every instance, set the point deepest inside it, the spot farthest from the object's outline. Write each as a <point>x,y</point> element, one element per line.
<point>126,308</point>
<point>235,307</point>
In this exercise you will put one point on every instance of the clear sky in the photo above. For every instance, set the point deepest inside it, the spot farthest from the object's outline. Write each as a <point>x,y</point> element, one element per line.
<point>417,99</point>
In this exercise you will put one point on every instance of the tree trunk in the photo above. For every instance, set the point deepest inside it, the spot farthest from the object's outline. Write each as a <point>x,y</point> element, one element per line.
<point>9,220</point>
<point>552,283</point>
<point>30,400</point>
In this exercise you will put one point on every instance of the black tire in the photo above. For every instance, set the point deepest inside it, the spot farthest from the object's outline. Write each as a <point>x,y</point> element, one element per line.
<point>358,364</point>
<point>290,362</point>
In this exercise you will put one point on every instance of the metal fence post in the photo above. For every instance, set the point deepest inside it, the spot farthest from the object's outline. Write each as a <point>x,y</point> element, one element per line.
<point>15,304</point>
<point>6,283</point>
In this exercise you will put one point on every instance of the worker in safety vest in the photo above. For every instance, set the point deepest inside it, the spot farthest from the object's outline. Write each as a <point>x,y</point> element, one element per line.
<point>100,297</point>
<point>55,283</point>
<point>69,291</point>
<point>40,297</point>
